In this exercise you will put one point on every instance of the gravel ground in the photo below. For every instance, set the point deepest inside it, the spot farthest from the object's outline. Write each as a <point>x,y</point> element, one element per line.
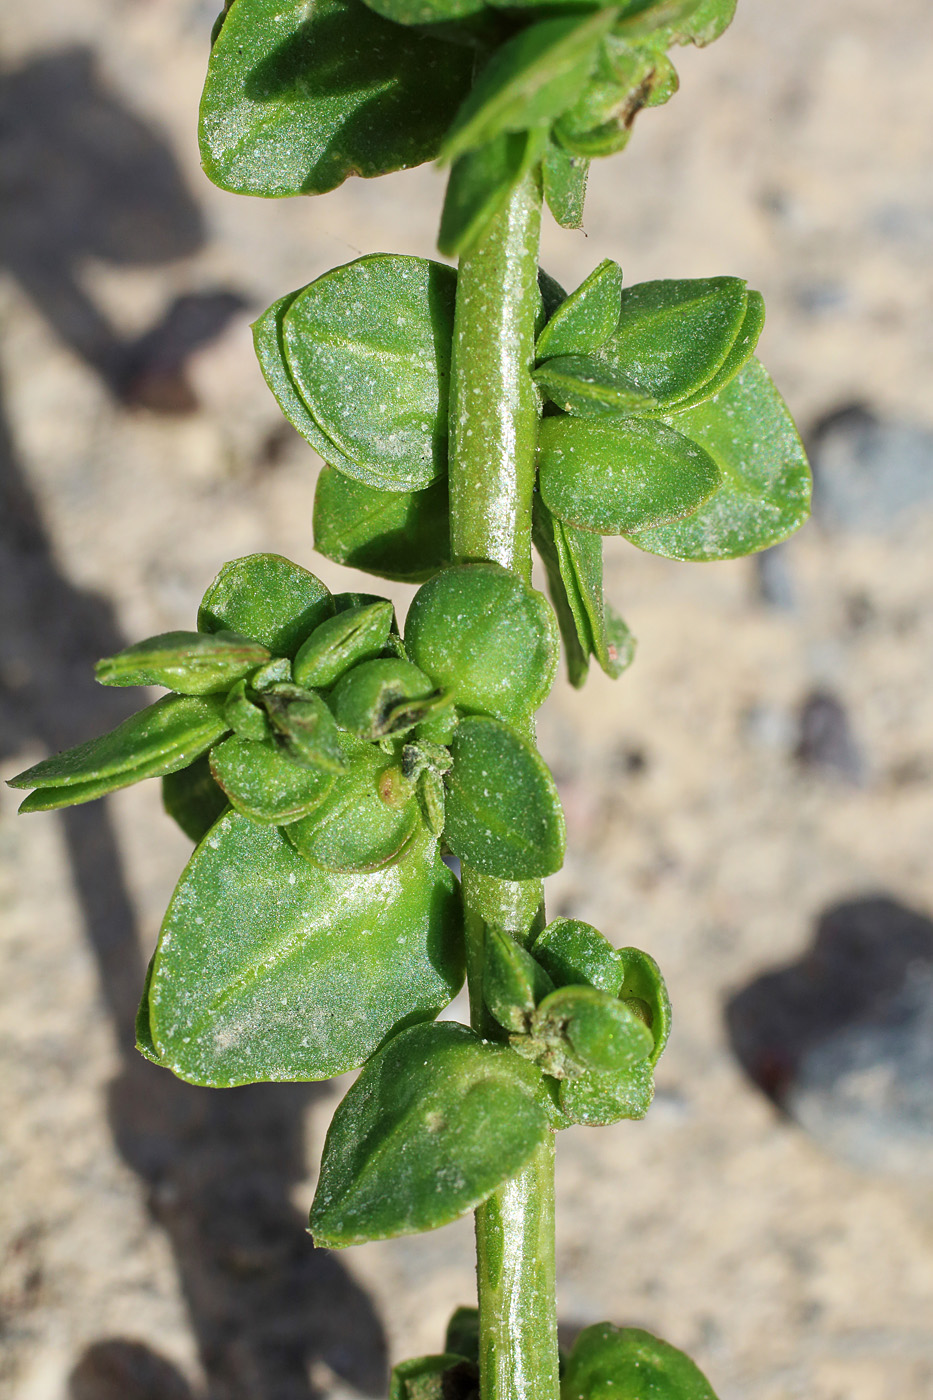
<point>151,1233</point>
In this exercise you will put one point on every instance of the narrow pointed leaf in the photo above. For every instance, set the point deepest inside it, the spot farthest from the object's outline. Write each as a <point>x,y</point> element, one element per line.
<point>191,663</point>
<point>265,784</point>
<point>368,349</point>
<point>193,799</point>
<point>367,819</point>
<point>673,336</point>
<point>160,739</point>
<point>625,1363</point>
<point>356,634</point>
<point>300,95</point>
<point>579,556</point>
<point>587,318</point>
<point>564,177</point>
<point>529,80</point>
<point>485,638</point>
<point>479,186</point>
<point>283,971</point>
<point>591,388</point>
<point>737,357</point>
<point>267,598</point>
<point>403,535</point>
<point>564,594</point>
<point>504,816</point>
<point>765,491</point>
<point>615,478</point>
<point>435,1122</point>
<point>513,983</point>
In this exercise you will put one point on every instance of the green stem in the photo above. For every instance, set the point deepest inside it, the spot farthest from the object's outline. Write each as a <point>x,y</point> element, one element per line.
<point>493,430</point>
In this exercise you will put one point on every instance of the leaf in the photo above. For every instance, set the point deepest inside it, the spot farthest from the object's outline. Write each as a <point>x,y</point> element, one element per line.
<point>160,739</point>
<point>191,663</point>
<point>368,349</point>
<point>368,818</point>
<point>596,1100</point>
<point>388,696</point>
<point>765,491</point>
<point>706,22</point>
<point>617,652</point>
<point>432,1377</point>
<point>578,555</point>
<point>513,983</point>
<point>529,80</point>
<point>193,799</point>
<point>265,784</point>
<point>480,183</point>
<point>270,352</point>
<point>615,478</point>
<point>144,1041</point>
<point>602,1033</point>
<point>484,637</point>
<point>426,12</point>
<point>268,598</point>
<point>640,21</point>
<point>503,813</point>
<point>301,94</point>
<point>587,318</point>
<point>270,969</point>
<point>737,357</point>
<point>401,535</point>
<point>462,1337</point>
<point>673,336</point>
<point>245,717</point>
<point>590,388</point>
<point>624,80</point>
<point>625,1363</point>
<point>437,1120</point>
<point>564,177</point>
<point>356,634</point>
<point>570,613</point>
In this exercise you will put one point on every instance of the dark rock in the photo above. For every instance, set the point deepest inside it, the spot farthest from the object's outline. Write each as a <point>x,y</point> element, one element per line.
<point>869,474</point>
<point>825,739</point>
<point>842,1040</point>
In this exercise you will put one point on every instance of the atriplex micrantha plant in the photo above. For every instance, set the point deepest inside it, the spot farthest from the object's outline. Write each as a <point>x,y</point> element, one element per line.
<point>324,761</point>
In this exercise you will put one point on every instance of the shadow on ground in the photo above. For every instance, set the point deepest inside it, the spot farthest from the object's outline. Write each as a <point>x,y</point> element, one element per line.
<point>81,176</point>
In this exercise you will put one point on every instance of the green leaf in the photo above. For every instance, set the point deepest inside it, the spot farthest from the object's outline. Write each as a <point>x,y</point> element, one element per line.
<point>590,388</point>
<point>615,478</point>
<point>587,318</point>
<point>765,491</point>
<point>737,357</point>
<point>564,177</point>
<point>625,1363</point>
<point>673,336</point>
<point>570,613</point>
<point>193,799</point>
<point>616,652</point>
<point>624,80</point>
<point>706,22</point>
<point>640,21</point>
<point>368,818</point>
<point>144,1042</point>
<point>503,813</point>
<point>160,739</point>
<point>244,716</point>
<point>462,1337</point>
<point>379,698</point>
<point>269,969</point>
<point>486,638</point>
<point>269,345</point>
<point>191,663</point>
<point>368,349</point>
<point>403,535</point>
<point>437,1120</point>
<point>479,186</point>
<point>356,634</point>
<point>265,784</point>
<point>427,12</point>
<point>530,80</point>
<point>301,94</point>
<point>602,1033</point>
<point>267,598</point>
<point>432,1377</point>
<point>513,983</point>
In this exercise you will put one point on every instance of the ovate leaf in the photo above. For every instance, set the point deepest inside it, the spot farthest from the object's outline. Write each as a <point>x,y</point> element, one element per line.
<point>737,357</point>
<point>269,969</point>
<point>615,478</point>
<point>587,318</point>
<point>765,493</point>
<point>267,598</point>
<point>436,1121</point>
<point>265,784</point>
<point>355,634</point>
<point>301,94</point>
<point>402,535</point>
<point>484,637</point>
<point>193,799</point>
<point>625,1363</point>
<point>368,349</point>
<point>191,663</point>
<point>160,739</point>
<point>564,177</point>
<point>504,816</point>
<point>479,186</point>
<point>529,80</point>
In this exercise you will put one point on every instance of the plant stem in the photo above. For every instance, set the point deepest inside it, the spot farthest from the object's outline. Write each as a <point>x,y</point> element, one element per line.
<point>493,430</point>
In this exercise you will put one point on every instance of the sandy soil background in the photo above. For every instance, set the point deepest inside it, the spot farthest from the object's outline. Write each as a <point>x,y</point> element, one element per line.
<point>768,760</point>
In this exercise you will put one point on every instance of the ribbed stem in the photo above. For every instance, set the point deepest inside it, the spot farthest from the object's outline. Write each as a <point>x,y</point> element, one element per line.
<point>493,429</point>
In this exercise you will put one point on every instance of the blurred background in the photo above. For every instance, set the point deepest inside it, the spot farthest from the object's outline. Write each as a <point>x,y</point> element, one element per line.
<point>753,802</point>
